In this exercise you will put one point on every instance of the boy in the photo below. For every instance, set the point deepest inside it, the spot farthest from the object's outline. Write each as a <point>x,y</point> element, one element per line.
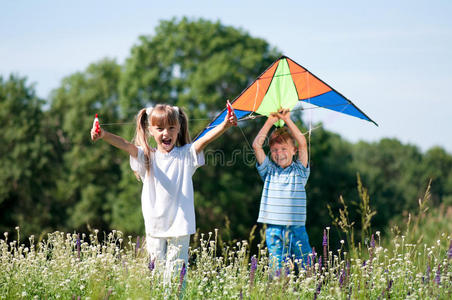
<point>283,202</point>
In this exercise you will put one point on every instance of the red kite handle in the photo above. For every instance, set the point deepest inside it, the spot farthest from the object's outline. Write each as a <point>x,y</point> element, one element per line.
<point>96,124</point>
<point>229,106</point>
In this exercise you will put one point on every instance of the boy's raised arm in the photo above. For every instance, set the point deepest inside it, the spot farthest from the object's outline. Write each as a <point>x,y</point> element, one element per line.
<point>284,115</point>
<point>261,137</point>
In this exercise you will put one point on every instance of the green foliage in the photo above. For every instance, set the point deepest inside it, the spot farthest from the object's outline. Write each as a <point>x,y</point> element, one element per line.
<point>393,174</point>
<point>26,156</point>
<point>88,174</point>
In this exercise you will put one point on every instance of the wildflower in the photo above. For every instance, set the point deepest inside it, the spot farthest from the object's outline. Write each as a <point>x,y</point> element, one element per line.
<point>389,285</point>
<point>253,269</point>
<point>137,246</point>
<point>427,274</point>
<point>317,291</point>
<point>241,295</point>
<point>183,271</point>
<point>438,275</point>
<point>151,265</point>
<point>78,246</point>
<point>342,278</point>
<point>325,244</point>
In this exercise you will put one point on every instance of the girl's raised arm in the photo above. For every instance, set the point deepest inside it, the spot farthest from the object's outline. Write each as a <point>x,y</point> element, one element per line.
<point>114,140</point>
<point>229,120</point>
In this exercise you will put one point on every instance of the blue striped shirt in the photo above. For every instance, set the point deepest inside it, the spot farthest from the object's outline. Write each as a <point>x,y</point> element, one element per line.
<point>283,199</point>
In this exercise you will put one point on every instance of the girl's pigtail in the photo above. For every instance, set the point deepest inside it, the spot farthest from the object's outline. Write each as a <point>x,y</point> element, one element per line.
<point>141,137</point>
<point>184,136</point>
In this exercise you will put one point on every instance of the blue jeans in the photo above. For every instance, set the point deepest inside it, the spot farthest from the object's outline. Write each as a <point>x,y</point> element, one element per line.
<point>286,242</point>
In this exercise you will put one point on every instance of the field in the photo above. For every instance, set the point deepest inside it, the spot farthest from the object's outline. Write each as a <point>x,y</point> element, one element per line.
<point>413,262</point>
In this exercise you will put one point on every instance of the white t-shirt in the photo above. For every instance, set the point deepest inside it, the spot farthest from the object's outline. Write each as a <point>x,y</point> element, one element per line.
<point>167,199</point>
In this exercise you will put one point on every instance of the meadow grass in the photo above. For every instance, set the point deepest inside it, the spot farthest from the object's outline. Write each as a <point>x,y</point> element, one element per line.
<point>73,266</point>
<point>412,262</point>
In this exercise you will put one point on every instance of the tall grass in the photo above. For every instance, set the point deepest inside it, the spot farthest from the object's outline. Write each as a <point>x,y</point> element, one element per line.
<point>403,265</point>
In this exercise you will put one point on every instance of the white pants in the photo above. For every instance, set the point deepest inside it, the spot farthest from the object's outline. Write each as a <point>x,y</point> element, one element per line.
<point>172,251</point>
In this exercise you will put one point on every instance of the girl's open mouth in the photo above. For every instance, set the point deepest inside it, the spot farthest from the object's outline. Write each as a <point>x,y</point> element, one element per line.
<point>166,142</point>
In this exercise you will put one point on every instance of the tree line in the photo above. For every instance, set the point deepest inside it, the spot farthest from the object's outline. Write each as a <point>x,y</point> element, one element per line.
<point>54,178</point>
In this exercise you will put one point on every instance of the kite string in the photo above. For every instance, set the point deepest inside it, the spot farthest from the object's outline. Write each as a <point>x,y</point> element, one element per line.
<point>310,120</point>
<point>251,115</point>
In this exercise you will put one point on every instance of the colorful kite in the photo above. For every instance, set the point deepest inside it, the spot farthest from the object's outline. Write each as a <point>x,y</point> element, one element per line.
<point>283,85</point>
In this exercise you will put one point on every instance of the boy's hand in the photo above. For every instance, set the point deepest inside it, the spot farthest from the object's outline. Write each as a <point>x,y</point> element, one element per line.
<point>97,133</point>
<point>284,114</point>
<point>273,118</point>
<point>231,118</point>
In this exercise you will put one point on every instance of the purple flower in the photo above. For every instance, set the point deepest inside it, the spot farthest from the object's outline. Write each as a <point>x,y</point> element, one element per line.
<point>241,295</point>
<point>253,269</point>
<point>342,278</point>
<point>364,263</point>
<point>372,241</point>
<point>78,243</point>
<point>151,265</point>
<point>325,238</point>
<point>183,271</point>
<point>278,272</point>
<point>317,291</point>
<point>389,285</point>
<point>325,244</point>
<point>427,274</point>
<point>438,275</point>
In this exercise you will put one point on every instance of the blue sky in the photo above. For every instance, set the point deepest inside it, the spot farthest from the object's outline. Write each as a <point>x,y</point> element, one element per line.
<point>393,59</point>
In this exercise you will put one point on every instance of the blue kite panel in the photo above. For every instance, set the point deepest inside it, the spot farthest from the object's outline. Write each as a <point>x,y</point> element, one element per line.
<point>334,101</point>
<point>239,113</point>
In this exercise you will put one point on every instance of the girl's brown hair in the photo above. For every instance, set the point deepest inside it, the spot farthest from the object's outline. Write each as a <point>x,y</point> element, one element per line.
<point>161,114</point>
<point>281,135</point>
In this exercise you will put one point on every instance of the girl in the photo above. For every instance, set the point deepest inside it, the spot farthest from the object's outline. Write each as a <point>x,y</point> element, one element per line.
<point>166,173</point>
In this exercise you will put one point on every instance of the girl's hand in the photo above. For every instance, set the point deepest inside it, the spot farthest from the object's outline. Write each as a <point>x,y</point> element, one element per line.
<point>97,134</point>
<point>231,118</point>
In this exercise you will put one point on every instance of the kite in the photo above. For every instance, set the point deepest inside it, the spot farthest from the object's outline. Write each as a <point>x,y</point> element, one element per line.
<point>283,85</point>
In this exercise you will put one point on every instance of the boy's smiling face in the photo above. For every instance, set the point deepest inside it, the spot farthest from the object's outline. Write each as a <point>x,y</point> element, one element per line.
<point>282,153</point>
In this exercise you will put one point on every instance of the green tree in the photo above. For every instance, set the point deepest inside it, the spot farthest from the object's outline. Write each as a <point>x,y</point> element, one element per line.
<point>87,183</point>
<point>393,174</point>
<point>26,159</point>
<point>437,166</point>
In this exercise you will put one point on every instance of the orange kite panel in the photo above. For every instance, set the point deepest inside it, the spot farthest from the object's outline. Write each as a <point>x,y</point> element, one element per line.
<point>308,86</point>
<point>252,97</point>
